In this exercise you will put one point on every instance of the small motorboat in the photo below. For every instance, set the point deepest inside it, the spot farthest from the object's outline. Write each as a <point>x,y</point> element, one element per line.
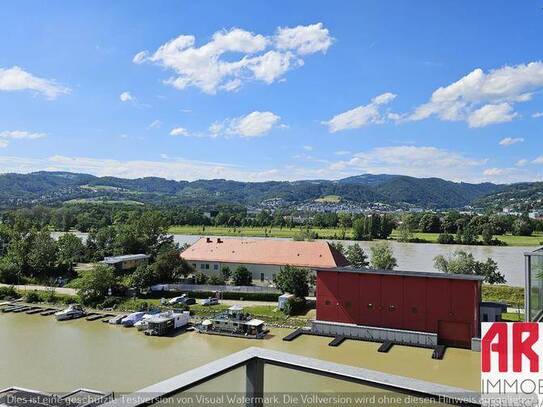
<point>131,319</point>
<point>117,320</point>
<point>73,311</point>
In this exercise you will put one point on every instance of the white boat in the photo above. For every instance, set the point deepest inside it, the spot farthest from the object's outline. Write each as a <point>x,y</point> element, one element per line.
<point>73,311</point>
<point>131,319</point>
<point>142,324</point>
<point>117,319</point>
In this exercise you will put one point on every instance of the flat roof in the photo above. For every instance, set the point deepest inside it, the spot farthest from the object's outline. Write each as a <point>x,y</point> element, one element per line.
<point>402,273</point>
<point>125,257</point>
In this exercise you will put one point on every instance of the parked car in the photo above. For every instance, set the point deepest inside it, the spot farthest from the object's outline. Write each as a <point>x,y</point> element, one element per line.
<point>210,301</point>
<point>183,299</point>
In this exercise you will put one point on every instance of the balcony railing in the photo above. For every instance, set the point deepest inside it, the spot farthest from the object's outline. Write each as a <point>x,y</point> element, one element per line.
<point>254,359</point>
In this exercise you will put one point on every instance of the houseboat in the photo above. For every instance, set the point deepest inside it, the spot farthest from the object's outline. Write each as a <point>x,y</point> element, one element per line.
<point>166,323</point>
<point>72,312</point>
<point>234,322</point>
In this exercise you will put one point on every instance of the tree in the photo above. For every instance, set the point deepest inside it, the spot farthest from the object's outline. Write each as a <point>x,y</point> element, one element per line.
<point>338,246</point>
<point>200,278</point>
<point>293,280</point>
<point>242,276</point>
<point>361,228</point>
<point>382,257</point>
<point>216,280</point>
<point>226,273</point>
<point>93,285</point>
<point>70,250</point>
<point>42,257</point>
<point>462,262</point>
<point>487,234</point>
<point>522,227</point>
<point>356,256</point>
<point>405,234</point>
<point>170,267</point>
<point>430,223</point>
<point>143,277</point>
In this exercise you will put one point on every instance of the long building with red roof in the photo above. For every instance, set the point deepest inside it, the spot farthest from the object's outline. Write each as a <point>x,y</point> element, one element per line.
<point>263,257</point>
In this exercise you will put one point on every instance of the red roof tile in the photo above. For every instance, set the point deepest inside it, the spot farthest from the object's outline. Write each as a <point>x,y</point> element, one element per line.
<point>318,254</point>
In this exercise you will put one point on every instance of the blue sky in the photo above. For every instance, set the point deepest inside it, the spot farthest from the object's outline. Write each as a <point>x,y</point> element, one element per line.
<point>279,90</point>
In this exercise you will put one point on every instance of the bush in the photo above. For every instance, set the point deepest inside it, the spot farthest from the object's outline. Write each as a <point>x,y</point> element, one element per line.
<point>32,297</point>
<point>446,238</point>
<point>216,280</point>
<point>294,306</point>
<point>200,278</point>
<point>110,302</point>
<point>8,292</point>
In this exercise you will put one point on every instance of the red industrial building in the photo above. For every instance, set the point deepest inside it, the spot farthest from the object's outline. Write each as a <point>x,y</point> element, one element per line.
<point>439,303</point>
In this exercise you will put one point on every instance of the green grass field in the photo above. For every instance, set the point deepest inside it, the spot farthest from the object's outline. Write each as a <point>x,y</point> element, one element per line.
<point>328,233</point>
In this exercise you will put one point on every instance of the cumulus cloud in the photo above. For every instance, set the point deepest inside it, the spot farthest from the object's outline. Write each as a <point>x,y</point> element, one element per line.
<point>509,141</point>
<point>254,124</point>
<point>126,97</point>
<point>482,99</point>
<point>307,39</point>
<point>3,143</point>
<point>179,131</point>
<point>362,115</point>
<point>537,115</point>
<point>15,78</point>
<point>232,58</point>
<point>538,160</point>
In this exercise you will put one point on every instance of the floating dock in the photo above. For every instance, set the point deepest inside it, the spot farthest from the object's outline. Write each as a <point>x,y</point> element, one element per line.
<point>338,340</point>
<point>48,312</point>
<point>96,317</point>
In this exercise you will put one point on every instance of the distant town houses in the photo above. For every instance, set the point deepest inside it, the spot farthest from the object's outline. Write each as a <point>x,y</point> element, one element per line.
<point>262,257</point>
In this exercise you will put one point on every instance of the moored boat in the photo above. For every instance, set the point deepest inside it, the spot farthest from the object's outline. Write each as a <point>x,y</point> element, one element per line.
<point>234,322</point>
<point>73,311</point>
<point>132,318</point>
<point>166,323</point>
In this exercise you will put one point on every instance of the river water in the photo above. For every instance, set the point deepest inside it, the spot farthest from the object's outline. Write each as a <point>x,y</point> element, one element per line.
<point>41,353</point>
<point>420,256</point>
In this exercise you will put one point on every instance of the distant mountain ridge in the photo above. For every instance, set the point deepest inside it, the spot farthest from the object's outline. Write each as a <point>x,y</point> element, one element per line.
<point>56,187</point>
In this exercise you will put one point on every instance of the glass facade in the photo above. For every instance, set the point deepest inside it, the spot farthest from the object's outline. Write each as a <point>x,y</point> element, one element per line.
<point>534,285</point>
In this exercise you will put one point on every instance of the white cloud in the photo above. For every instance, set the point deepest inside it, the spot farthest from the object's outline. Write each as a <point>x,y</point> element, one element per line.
<point>491,114</point>
<point>521,163</point>
<point>342,152</point>
<point>232,58</point>
<point>254,124</point>
<point>15,78</point>
<point>155,124</point>
<point>493,172</point>
<point>179,131</point>
<point>307,39</point>
<point>483,98</point>
<point>20,134</point>
<point>308,148</point>
<point>537,115</point>
<point>538,160</point>
<point>412,160</point>
<point>509,141</point>
<point>126,97</point>
<point>362,115</point>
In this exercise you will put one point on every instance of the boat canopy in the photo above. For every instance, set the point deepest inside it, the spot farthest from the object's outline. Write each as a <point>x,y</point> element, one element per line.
<point>254,322</point>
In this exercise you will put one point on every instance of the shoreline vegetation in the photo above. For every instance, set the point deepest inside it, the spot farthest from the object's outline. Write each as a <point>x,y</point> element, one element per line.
<point>512,296</point>
<point>331,233</point>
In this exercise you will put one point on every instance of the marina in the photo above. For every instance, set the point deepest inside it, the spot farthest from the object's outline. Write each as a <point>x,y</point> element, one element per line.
<point>107,354</point>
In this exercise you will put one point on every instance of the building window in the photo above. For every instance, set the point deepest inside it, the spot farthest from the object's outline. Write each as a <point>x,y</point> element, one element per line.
<point>215,267</point>
<point>202,266</point>
<point>207,266</point>
<point>261,276</point>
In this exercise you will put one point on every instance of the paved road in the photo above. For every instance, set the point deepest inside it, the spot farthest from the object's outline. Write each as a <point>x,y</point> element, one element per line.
<point>58,290</point>
<point>72,291</point>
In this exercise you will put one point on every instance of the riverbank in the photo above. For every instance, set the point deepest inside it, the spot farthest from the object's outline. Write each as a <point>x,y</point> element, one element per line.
<point>330,233</point>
